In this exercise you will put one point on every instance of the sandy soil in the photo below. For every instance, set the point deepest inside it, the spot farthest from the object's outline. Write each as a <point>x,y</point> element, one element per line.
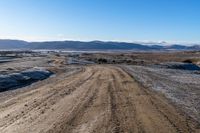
<point>99,98</point>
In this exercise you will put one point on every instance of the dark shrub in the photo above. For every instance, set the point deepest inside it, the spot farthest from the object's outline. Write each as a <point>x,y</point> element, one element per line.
<point>101,60</point>
<point>187,61</point>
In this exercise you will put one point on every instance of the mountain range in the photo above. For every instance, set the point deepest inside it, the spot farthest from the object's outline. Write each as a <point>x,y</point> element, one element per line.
<point>6,44</point>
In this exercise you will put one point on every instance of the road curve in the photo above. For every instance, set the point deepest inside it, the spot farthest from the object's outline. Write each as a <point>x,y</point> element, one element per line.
<point>99,99</point>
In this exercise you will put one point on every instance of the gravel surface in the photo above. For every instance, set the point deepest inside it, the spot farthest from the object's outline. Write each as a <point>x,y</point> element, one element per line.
<point>180,86</point>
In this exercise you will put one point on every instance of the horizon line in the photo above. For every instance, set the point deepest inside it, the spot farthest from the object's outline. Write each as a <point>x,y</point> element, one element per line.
<point>145,42</point>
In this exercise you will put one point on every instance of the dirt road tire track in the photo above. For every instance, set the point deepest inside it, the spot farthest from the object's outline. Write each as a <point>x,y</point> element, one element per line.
<point>100,99</point>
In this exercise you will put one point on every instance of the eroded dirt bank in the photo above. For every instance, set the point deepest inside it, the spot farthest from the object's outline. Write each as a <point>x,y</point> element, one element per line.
<point>100,98</point>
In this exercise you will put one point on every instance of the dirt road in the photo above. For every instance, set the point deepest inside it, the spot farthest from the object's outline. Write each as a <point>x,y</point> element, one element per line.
<point>101,99</point>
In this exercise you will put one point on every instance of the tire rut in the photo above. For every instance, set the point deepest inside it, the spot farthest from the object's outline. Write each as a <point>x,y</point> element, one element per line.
<point>114,117</point>
<point>85,101</point>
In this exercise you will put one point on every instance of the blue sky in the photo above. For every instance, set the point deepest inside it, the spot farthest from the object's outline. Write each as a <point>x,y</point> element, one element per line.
<point>121,20</point>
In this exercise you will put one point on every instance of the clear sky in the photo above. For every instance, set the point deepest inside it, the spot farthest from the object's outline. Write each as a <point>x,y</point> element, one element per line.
<point>122,20</point>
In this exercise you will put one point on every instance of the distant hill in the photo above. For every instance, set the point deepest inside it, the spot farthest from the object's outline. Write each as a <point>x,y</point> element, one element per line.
<point>93,45</point>
<point>13,44</point>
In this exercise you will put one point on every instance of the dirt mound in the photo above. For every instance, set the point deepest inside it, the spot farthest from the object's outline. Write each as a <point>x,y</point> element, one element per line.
<point>15,80</point>
<point>181,66</point>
